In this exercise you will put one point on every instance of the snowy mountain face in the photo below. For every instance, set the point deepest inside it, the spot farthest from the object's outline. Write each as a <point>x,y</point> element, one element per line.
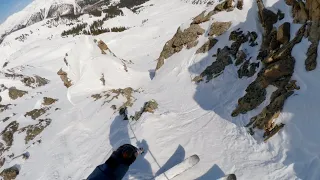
<point>232,81</point>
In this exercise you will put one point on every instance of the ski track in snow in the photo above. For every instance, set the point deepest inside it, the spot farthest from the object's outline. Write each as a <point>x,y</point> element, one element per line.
<point>191,119</point>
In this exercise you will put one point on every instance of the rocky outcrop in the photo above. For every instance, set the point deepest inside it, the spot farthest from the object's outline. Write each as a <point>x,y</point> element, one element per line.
<point>247,69</point>
<point>277,71</point>
<point>35,81</point>
<point>64,77</point>
<point>8,132</point>
<point>149,106</point>
<point>103,47</point>
<point>218,28</point>
<point>208,45</point>
<point>33,131</point>
<point>188,37</point>
<point>215,69</point>
<point>283,34</point>
<point>10,173</point>
<point>203,17</point>
<point>48,101</point>
<point>34,114</point>
<point>57,10</point>
<point>312,54</point>
<point>224,6</point>
<point>240,4</point>
<point>15,93</point>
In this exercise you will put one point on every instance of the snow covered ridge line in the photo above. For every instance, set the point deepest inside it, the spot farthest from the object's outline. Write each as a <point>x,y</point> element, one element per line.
<point>37,11</point>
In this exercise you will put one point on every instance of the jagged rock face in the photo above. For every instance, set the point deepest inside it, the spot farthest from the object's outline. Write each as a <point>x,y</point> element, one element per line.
<point>36,17</point>
<point>7,133</point>
<point>218,28</point>
<point>60,10</point>
<point>312,54</point>
<point>208,45</point>
<point>283,34</point>
<point>203,17</point>
<point>299,12</point>
<point>216,68</point>
<point>224,6</point>
<point>188,37</point>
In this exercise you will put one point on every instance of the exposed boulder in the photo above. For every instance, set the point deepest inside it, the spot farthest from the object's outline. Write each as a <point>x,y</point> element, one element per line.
<point>10,173</point>
<point>103,47</point>
<point>149,106</point>
<point>255,95</point>
<point>15,93</point>
<point>247,69</point>
<point>216,68</point>
<point>224,6</point>
<point>283,34</point>
<point>34,114</point>
<point>208,45</point>
<point>8,132</point>
<point>35,81</point>
<point>203,17</point>
<point>64,77</point>
<point>4,107</point>
<point>240,4</point>
<point>188,37</point>
<point>48,101</point>
<point>33,131</point>
<point>218,28</point>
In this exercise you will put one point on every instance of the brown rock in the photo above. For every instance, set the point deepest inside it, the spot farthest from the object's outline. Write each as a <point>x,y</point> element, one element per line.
<point>299,13</point>
<point>218,28</point>
<point>240,4</point>
<point>10,173</point>
<point>64,77</point>
<point>188,37</point>
<point>207,46</point>
<point>201,18</point>
<point>103,47</point>
<point>283,34</point>
<point>15,93</point>
<point>224,6</point>
<point>48,101</point>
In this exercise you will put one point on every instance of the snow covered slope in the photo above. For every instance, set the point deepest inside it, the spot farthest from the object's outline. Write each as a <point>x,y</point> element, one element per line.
<point>61,95</point>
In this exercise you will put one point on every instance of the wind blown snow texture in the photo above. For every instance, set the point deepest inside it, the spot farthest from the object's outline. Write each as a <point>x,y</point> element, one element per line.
<point>191,119</point>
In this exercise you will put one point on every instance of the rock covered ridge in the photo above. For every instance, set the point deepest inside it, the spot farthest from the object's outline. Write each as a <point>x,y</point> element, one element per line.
<point>274,57</point>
